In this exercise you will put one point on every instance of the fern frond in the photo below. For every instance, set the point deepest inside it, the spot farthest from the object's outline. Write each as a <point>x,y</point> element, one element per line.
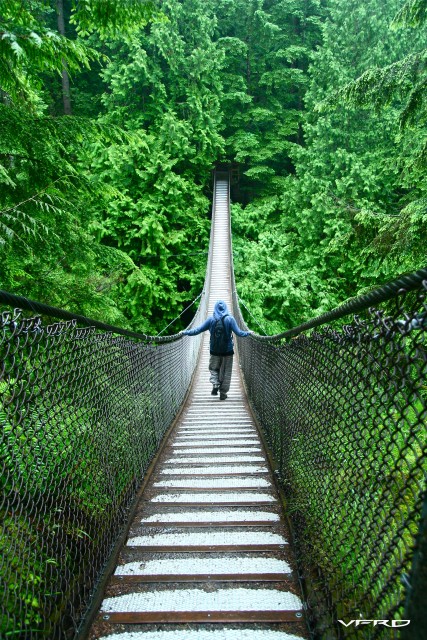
<point>15,218</point>
<point>7,233</point>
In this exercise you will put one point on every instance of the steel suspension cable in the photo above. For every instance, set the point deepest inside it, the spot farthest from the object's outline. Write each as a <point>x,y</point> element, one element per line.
<point>182,313</point>
<point>406,282</point>
<point>22,302</point>
<point>250,313</point>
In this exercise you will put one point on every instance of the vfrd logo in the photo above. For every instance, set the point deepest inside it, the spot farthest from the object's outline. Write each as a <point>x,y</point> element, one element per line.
<point>385,623</point>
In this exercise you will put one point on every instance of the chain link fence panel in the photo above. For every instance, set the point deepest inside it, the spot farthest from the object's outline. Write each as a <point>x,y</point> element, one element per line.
<point>343,408</point>
<point>82,414</point>
<point>84,407</point>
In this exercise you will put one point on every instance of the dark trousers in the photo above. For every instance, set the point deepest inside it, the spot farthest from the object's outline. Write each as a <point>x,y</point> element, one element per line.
<point>220,368</point>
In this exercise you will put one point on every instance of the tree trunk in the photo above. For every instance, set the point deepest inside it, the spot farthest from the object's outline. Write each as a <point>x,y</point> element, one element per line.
<point>65,77</point>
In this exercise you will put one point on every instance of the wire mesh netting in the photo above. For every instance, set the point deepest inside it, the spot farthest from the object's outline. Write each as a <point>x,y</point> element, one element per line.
<point>343,408</point>
<point>82,413</point>
<point>83,410</point>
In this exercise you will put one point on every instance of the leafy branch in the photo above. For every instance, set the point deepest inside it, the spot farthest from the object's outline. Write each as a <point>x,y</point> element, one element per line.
<point>15,216</point>
<point>28,49</point>
<point>412,14</point>
<point>108,16</point>
<point>406,78</point>
<point>350,207</point>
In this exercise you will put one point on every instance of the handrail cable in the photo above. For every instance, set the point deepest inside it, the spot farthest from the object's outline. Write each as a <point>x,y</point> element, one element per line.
<point>250,313</point>
<point>407,282</point>
<point>55,312</point>
<point>182,312</point>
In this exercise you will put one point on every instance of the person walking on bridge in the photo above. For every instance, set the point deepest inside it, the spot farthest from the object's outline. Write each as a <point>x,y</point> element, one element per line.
<point>221,325</point>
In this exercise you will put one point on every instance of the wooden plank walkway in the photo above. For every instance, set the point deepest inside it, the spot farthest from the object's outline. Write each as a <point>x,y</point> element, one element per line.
<point>207,557</point>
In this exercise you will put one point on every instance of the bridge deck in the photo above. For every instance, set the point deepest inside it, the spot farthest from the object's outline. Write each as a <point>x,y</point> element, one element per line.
<point>207,555</point>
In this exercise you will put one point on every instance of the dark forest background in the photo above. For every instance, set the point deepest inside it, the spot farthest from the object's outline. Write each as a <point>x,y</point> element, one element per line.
<point>113,114</point>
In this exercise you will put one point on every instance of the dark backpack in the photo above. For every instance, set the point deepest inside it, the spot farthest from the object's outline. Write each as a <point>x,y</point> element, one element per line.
<point>219,337</point>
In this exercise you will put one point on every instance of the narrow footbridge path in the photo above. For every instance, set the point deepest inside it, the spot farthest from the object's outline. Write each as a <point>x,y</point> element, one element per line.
<point>207,555</point>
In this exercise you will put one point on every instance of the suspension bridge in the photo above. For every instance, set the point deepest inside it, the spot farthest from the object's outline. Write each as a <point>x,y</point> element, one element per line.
<point>137,506</point>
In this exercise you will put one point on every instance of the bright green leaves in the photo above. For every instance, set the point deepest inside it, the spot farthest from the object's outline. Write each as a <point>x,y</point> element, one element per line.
<point>29,48</point>
<point>164,86</point>
<point>349,214</point>
<point>109,16</point>
<point>397,93</point>
<point>402,86</point>
<point>47,204</point>
<point>413,13</point>
<point>118,205</point>
<point>156,216</point>
<point>405,79</point>
<point>267,48</point>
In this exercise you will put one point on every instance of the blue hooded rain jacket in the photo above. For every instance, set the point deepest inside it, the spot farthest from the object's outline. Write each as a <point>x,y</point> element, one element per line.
<point>230,325</point>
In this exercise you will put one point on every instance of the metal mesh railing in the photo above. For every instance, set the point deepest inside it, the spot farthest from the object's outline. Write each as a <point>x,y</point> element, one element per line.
<point>343,408</point>
<point>82,411</point>
<point>342,402</point>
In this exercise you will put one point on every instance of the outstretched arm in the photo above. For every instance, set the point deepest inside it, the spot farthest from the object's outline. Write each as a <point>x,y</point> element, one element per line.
<point>203,327</point>
<point>237,330</point>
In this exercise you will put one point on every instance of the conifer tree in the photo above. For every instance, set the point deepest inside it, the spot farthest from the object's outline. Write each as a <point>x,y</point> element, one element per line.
<point>339,224</point>
<point>163,86</point>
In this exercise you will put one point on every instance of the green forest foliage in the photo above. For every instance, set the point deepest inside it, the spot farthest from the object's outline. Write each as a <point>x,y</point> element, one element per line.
<point>318,104</point>
<point>352,212</point>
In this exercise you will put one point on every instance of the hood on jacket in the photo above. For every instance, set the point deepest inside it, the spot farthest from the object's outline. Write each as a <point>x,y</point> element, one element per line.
<point>220,310</point>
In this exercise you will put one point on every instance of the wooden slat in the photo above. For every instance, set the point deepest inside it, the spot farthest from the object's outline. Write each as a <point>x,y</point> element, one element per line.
<point>231,439</point>
<point>201,616</point>
<point>177,460</point>
<point>212,489</point>
<point>187,476</point>
<point>231,445</point>
<point>239,430</point>
<point>200,456</point>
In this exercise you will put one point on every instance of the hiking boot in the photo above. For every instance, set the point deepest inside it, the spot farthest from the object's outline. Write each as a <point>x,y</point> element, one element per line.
<point>214,391</point>
<point>222,396</point>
